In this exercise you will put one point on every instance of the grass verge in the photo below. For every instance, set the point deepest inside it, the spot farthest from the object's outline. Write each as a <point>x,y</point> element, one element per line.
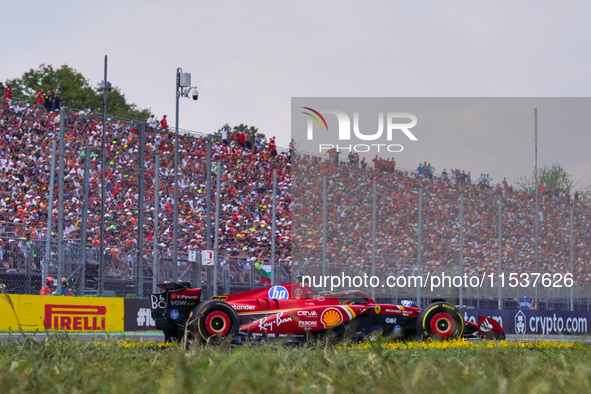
<point>63,364</point>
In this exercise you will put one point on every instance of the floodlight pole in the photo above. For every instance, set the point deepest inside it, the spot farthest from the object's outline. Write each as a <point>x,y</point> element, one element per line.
<point>175,217</point>
<point>182,89</point>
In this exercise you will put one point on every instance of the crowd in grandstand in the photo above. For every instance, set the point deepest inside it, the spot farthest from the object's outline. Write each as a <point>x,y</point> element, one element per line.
<point>350,225</point>
<point>27,132</point>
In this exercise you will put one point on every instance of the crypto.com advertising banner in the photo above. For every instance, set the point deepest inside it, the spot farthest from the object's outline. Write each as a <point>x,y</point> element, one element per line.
<point>435,195</point>
<point>528,322</point>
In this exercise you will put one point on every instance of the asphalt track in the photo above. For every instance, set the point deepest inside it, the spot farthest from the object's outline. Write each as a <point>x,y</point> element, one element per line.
<point>158,337</point>
<point>152,336</point>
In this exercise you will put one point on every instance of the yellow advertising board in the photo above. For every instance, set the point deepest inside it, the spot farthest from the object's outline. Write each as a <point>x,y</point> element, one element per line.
<point>60,313</point>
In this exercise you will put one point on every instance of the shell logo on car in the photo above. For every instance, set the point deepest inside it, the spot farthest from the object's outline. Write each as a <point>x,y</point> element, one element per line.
<point>331,317</point>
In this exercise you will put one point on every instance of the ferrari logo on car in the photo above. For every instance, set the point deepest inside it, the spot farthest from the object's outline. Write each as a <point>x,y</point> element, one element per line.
<point>331,317</point>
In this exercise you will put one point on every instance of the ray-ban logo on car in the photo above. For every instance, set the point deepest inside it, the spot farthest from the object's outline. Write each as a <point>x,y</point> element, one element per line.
<point>389,124</point>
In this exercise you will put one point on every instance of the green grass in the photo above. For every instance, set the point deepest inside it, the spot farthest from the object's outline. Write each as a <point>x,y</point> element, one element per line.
<point>63,364</point>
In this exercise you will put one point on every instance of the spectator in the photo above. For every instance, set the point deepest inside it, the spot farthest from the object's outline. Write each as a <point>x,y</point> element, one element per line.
<point>224,135</point>
<point>151,121</point>
<point>241,138</point>
<point>258,142</point>
<point>40,100</point>
<point>163,123</point>
<point>28,251</point>
<point>49,287</point>
<point>351,157</point>
<point>66,291</point>
<point>272,147</point>
<point>48,101</point>
<point>57,102</point>
<point>248,140</point>
<point>8,94</point>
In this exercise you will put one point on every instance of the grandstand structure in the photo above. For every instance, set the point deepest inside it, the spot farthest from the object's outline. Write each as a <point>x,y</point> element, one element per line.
<point>246,215</point>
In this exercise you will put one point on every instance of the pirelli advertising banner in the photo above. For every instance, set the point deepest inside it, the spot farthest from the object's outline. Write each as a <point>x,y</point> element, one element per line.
<point>58,313</point>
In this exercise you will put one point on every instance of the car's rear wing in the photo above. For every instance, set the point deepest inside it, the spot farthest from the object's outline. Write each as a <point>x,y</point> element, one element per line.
<point>172,286</point>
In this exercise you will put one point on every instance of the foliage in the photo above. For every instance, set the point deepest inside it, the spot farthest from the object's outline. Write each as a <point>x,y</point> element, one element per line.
<point>241,127</point>
<point>75,91</point>
<point>552,177</point>
<point>65,364</point>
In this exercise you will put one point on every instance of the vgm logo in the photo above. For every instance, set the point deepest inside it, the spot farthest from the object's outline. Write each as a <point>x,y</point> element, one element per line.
<point>389,125</point>
<point>75,317</point>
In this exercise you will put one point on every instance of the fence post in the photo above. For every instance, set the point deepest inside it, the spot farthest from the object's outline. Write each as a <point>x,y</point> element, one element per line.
<point>208,193</point>
<point>324,229</point>
<point>217,227</point>
<point>140,213</point>
<point>420,242</point>
<point>571,258</point>
<point>537,229</point>
<point>373,236</point>
<point>461,246</point>
<point>155,274</point>
<point>60,208</point>
<point>500,265</point>
<point>85,219</point>
<point>273,224</point>
<point>49,216</point>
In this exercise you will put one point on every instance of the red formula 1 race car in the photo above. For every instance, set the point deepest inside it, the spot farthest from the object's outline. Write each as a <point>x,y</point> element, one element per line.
<point>289,313</point>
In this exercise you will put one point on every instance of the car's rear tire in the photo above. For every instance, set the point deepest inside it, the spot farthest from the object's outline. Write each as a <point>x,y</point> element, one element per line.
<point>214,322</point>
<point>440,321</point>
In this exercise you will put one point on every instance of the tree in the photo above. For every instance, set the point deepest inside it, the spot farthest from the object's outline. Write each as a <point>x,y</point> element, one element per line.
<point>244,128</point>
<point>75,91</point>
<point>553,178</point>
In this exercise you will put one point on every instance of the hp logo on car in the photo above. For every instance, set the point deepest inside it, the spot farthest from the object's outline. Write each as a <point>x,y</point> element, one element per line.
<point>174,314</point>
<point>278,293</point>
